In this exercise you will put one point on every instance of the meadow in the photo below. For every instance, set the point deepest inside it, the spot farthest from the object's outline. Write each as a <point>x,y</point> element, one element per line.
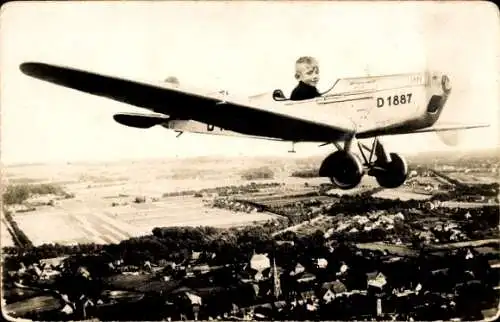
<point>104,208</point>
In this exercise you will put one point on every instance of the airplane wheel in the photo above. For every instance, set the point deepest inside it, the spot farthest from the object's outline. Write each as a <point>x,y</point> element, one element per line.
<point>344,169</point>
<point>392,174</point>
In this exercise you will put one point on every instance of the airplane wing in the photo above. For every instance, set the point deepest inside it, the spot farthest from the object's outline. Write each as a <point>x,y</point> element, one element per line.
<point>450,127</point>
<point>409,128</point>
<point>298,125</point>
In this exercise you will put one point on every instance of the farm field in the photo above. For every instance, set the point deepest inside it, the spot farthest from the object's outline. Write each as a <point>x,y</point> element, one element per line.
<point>284,200</point>
<point>91,217</point>
<point>474,177</point>
<point>392,249</point>
<point>401,193</point>
<point>140,283</point>
<point>95,221</point>
<point>39,303</point>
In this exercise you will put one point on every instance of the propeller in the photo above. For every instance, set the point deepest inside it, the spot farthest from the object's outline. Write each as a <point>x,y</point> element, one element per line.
<point>450,138</point>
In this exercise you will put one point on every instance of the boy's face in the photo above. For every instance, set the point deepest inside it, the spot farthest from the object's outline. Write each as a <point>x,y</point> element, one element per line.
<point>309,74</point>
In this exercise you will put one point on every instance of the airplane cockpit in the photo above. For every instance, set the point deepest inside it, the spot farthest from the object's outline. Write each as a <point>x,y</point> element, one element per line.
<point>278,95</point>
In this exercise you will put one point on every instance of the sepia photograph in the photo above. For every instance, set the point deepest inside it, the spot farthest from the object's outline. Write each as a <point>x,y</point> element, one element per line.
<point>250,160</point>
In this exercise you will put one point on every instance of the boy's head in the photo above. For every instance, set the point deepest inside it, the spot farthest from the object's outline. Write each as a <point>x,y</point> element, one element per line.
<point>307,70</point>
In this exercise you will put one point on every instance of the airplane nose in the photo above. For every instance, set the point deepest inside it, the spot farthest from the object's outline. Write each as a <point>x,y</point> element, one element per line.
<point>440,80</point>
<point>445,83</point>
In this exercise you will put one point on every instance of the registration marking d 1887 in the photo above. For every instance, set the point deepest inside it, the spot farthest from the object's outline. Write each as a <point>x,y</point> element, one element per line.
<point>393,100</point>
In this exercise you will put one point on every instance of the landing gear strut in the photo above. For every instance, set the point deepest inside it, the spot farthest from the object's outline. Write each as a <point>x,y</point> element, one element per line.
<point>346,170</point>
<point>389,169</point>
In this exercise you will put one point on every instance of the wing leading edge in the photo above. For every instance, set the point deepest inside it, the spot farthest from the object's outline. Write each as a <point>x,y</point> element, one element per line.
<point>294,125</point>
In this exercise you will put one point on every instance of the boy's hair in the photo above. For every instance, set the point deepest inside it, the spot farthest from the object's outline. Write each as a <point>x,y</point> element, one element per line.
<point>304,60</point>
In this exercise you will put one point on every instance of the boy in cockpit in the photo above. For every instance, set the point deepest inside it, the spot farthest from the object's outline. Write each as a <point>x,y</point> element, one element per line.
<point>307,73</point>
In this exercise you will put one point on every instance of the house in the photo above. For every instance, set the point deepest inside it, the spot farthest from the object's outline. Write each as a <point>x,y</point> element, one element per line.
<point>35,269</point>
<point>322,263</point>
<point>494,263</point>
<point>489,313</point>
<point>469,254</point>
<point>330,290</point>
<point>260,262</point>
<point>193,298</point>
<point>403,293</point>
<point>147,266</point>
<point>306,295</point>
<point>399,216</point>
<point>187,301</point>
<point>328,296</point>
<point>201,269</point>
<point>306,277</point>
<point>84,272</point>
<point>283,242</point>
<point>48,274</point>
<point>195,302</point>
<point>336,286</point>
<point>343,269</point>
<point>195,256</point>
<point>298,270</point>
<point>86,305</point>
<point>67,309</point>
<point>376,280</point>
<point>53,262</point>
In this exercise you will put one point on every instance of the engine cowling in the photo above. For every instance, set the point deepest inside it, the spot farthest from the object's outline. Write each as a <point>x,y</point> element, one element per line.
<point>344,169</point>
<point>391,174</point>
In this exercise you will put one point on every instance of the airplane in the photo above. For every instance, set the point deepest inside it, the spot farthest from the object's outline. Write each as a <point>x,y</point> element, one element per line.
<point>352,109</point>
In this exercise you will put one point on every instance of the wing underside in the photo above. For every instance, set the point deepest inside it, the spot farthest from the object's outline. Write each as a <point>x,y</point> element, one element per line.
<point>293,125</point>
<point>416,126</point>
<point>451,127</point>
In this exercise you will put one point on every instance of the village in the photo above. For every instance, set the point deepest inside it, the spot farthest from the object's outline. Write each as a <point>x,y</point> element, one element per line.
<point>358,283</point>
<point>323,255</point>
<point>292,277</point>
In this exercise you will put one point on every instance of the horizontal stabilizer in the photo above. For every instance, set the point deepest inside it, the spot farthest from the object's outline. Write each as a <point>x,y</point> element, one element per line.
<point>142,121</point>
<point>451,127</point>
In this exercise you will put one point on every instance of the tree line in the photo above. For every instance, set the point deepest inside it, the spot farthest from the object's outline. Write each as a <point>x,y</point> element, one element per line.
<point>17,194</point>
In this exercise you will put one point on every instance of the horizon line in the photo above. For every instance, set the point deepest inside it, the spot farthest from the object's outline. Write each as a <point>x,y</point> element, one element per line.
<point>221,156</point>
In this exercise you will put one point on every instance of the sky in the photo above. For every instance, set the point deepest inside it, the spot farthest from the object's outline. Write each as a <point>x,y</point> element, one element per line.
<point>244,47</point>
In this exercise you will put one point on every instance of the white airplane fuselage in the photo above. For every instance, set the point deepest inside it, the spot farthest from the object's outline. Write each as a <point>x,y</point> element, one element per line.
<point>368,103</point>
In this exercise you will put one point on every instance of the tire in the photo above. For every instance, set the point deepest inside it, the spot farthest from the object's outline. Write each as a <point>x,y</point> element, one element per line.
<point>394,173</point>
<point>344,169</point>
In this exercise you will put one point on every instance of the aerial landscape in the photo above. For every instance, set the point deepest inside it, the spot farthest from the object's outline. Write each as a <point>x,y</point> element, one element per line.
<point>159,168</point>
<point>252,239</point>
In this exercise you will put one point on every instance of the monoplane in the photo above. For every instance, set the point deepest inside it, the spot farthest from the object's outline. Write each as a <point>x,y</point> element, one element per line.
<point>351,110</point>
